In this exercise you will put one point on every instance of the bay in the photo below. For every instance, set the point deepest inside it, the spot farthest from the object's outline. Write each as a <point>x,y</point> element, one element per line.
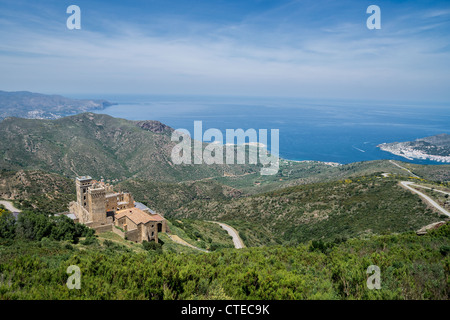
<point>323,130</point>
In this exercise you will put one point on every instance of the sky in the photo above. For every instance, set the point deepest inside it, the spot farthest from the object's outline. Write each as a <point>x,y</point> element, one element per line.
<point>303,48</point>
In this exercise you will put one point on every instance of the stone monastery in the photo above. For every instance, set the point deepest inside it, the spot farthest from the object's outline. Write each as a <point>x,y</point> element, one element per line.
<point>102,209</point>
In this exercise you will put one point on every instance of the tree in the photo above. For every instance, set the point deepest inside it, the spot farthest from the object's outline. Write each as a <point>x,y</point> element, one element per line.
<point>151,245</point>
<point>33,226</point>
<point>7,225</point>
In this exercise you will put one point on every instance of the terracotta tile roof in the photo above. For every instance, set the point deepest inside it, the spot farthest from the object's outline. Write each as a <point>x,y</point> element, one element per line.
<point>138,216</point>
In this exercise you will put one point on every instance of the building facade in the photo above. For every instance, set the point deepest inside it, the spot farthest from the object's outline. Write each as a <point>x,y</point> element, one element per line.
<point>98,206</point>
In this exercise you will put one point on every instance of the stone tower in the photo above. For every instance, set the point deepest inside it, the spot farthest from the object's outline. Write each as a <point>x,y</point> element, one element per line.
<point>97,204</point>
<point>82,185</point>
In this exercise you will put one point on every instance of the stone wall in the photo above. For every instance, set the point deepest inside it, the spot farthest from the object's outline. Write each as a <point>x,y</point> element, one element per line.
<point>81,213</point>
<point>104,228</point>
<point>133,235</point>
<point>118,232</point>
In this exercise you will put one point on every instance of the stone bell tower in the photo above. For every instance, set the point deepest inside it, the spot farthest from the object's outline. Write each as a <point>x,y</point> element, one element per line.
<point>97,204</point>
<point>82,185</point>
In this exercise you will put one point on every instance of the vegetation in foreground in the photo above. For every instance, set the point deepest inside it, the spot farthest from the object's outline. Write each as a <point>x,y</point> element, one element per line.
<point>412,267</point>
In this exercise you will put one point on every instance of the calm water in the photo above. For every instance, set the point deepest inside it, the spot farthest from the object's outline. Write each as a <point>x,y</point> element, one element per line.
<point>337,131</point>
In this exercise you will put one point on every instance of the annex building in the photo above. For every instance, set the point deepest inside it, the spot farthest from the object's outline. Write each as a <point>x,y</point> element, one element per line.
<point>99,207</point>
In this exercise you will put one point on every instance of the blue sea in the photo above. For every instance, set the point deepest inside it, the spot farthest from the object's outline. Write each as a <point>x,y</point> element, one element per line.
<point>323,130</point>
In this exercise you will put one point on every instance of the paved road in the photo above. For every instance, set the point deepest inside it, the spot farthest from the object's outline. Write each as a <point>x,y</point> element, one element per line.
<point>407,184</point>
<point>9,206</point>
<point>418,185</point>
<point>414,175</point>
<point>238,243</point>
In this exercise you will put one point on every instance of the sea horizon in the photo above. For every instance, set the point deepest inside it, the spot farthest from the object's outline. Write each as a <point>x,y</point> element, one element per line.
<point>340,131</point>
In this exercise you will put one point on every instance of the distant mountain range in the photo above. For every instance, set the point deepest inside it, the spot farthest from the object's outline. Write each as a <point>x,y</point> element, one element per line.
<point>31,105</point>
<point>436,148</point>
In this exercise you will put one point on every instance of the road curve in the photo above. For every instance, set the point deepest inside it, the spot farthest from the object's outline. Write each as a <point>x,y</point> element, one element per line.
<point>238,243</point>
<point>437,190</point>
<point>407,184</point>
<point>9,206</point>
<point>414,175</point>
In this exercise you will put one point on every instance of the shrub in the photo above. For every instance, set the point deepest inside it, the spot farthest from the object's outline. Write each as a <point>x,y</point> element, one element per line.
<point>89,241</point>
<point>151,245</point>
<point>319,245</point>
<point>444,250</point>
<point>7,225</point>
<point>108,243</point>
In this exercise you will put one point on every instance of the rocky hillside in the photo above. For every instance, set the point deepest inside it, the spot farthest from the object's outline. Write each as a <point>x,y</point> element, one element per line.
<point>100,146</point>
<point>167,197</point>
<point>37,190</point>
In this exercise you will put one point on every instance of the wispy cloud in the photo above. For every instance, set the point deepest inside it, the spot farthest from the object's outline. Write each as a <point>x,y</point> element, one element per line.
<point>264,52</point>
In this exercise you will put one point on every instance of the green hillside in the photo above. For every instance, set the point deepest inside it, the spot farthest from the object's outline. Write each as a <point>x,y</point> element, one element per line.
<point>37,190</point>
<point>99,146</point>
<point>167,197</point>
<point>330,210</point>
<point>292,173</point>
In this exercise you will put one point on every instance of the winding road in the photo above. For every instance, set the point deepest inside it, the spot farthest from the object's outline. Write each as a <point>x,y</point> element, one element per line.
<point>407,185</point>
<point>414,175</point>
<point>238,243</point>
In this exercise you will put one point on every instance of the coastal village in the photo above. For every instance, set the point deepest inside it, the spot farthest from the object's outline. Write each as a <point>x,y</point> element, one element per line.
<point>101,208</point>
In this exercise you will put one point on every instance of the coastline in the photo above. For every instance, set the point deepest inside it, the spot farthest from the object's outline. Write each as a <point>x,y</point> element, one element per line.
<point>412,154</point>
<point>329,163</point>
<point>339,155</point>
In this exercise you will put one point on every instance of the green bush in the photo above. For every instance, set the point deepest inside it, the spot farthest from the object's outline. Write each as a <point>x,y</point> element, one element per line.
<point>444,250</point>
<point>7,225</point>
<point>89,241</point>
<point>108,243</point>
<point>151,245</point>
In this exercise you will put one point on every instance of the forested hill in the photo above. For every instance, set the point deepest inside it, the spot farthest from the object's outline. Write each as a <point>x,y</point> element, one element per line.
<point>31,105</point>
<point>100,146</point>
